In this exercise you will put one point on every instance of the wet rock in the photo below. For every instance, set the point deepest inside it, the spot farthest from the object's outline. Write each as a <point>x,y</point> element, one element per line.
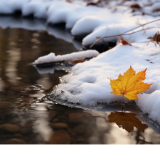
<point>59,125</point>
<point>71,132</point>
<point>55,120</point>
<point>16,88</point>
<point>14,141</point>
<point>81,118</point>
<point>71,110</point>
<point>81,140</point>
<point>17,135</point>
<point>60,137</point>
<point>11,93</point>
<point>62,118</point>
<point>5,103</point>
<point>52,114</point>
<point>9,128</point>
<point>25,131</point>
<point>82,129</point>
<point>58,107</point>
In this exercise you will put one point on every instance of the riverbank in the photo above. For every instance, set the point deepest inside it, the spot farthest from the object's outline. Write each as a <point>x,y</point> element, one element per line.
<point>89,82</point>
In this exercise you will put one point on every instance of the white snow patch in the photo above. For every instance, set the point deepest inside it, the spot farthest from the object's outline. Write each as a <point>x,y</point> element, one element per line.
<point>150,103</point>
<point>45,59</point>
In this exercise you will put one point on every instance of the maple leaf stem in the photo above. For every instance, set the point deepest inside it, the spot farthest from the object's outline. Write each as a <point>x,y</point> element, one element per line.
<point>123,100</point>
<point>123,103</point>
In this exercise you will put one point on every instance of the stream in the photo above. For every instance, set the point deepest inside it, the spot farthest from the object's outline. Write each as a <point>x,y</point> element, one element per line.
<point>28,117</point>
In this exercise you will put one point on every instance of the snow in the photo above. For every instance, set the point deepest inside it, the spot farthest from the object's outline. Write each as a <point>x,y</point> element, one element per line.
<point>45,59</point>
<point>88,82</point>
<point>149,103</point>
<point>68,57</point>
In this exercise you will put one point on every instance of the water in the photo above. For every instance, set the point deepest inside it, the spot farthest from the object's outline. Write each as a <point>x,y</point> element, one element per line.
<point>27,117</point>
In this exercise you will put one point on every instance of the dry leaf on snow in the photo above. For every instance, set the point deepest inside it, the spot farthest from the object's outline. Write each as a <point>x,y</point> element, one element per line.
<point>124,42</point>
<point>137,6</point>
<point>130,84</point>
<point>94,3</point>
<point>155,38</point>
<point>69,1</point>
<point>77,60</point>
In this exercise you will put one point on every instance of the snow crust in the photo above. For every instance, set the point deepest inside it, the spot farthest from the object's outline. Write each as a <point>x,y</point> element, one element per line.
<point>68,57</point>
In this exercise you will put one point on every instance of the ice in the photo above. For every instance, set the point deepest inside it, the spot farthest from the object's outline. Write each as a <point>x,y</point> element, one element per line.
<point>68,57</point>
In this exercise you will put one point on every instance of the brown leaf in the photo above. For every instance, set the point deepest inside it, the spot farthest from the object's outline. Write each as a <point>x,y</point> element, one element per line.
<point>125,42</point>
<point>127,120</point>
<point>69,1</point>
<point>135,6</point>
<point>77,61</point>
<point>94,3</point>
<point>155,38</point>
<point>156,10</point>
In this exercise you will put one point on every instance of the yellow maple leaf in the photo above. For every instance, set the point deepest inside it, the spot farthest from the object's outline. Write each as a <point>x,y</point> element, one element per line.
<point>130,84</point>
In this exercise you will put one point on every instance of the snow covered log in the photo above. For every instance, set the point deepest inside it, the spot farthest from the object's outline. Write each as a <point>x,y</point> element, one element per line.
<point>68,57</point>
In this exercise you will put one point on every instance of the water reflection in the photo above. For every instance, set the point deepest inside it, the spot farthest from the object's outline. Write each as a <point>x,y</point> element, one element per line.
<point>27,116</point>
<point>127,121</point>
<point>35,25</point>
<point>51,70</point>
<point>21,87</point>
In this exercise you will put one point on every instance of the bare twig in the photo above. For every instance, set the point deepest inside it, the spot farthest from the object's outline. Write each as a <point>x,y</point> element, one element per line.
<point>125,33</point>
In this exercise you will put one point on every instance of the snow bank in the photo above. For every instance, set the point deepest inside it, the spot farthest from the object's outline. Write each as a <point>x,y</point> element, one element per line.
<point>89,82</point>
<point>150,103</point>
<point>84,20</point>
<point>68,57</point>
